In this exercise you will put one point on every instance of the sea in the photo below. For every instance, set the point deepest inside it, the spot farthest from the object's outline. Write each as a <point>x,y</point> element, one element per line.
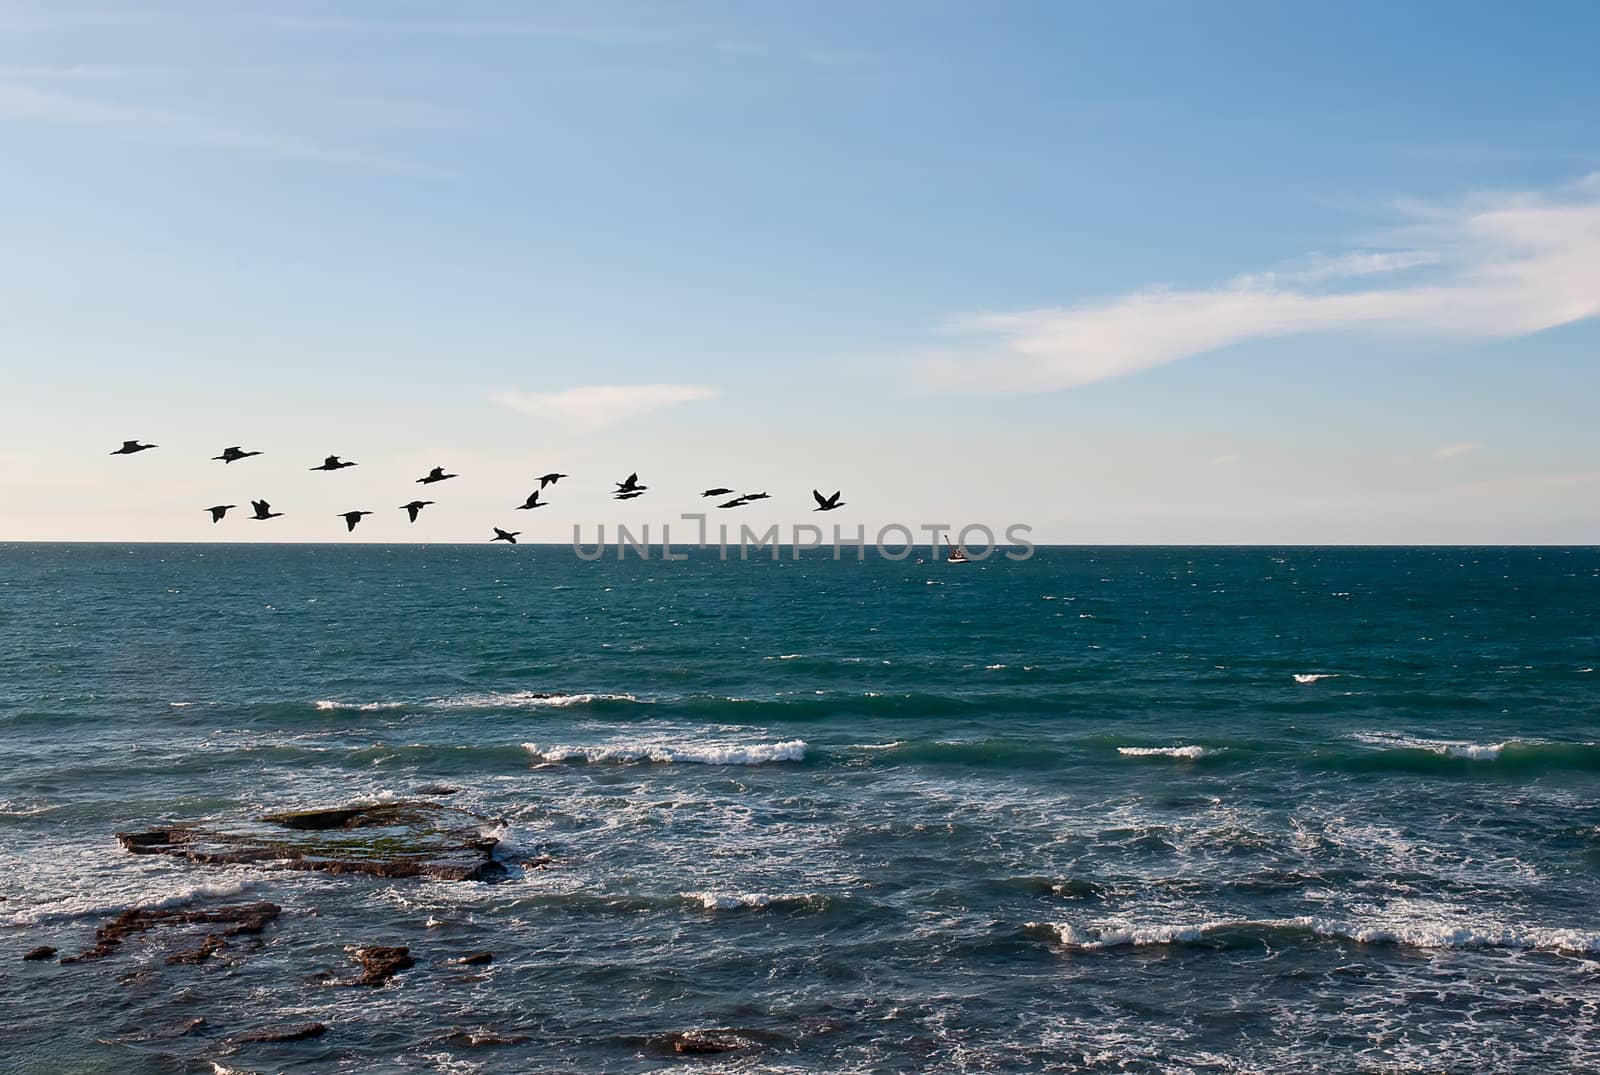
<point>1099,810</point>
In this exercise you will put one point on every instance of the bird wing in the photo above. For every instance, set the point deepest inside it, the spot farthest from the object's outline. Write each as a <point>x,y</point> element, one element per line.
<point>822,501</point>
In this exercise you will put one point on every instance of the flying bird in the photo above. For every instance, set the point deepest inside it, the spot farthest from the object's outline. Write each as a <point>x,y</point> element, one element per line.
<point>130,447</point>
<point>827,503</point>
<point>218,511</point>
<point>718,491</point>
<point>437,474</point>
<point>333,462</point>
<point>631,484</point>
<point>630,496</point>
<point>414,508</point>
<point>233,455</point>
<point>351,518</point>
<point>264,510</point>
<point>549,479</point>
<point>533,502</point>
<point>736,502</point>
<point>756,496</point>
<point>505,535</point>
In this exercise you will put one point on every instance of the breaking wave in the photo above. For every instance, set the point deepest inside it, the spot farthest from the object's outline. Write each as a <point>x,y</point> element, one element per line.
<point>1232,932</point>
<point>1189,753</point>
<point>633,750</point>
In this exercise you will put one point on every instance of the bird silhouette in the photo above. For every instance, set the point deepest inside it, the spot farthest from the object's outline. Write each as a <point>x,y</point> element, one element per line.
<point>233,455</point>
<point>533,502</point>
<point>437,474</point>
<point>630,496</point>
<point>756,496</point>
<point>414,508</point>
<point>218,511</point>
<point>264,510</point>
<point>351,518</point>
<point>718,491</point>
<point>130,447</point>
<point>505,535</point>
<point>631,484</point>
<point>549,479</point>
<point>827,503</point>
<point>333,462</point>
<point>736,502</point>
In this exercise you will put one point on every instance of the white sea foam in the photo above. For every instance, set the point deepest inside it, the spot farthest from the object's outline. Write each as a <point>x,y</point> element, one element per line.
<point>92,902</point>
<point>734,901</point>
<point>1312,677</point>
<point>1189,752</point>
<point>666,752</point>
<point>358,707</point>
<point>1406,933</point>
<point>1450,748</point>
<point>525,699</point>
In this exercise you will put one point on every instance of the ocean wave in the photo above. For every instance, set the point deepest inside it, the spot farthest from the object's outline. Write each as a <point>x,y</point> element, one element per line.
<point>1189,753</point>
<point>92,904</point>
<point>1228,932</point>
<point>1312,677</point>
<point>357,707</point>
<point>1450,748</point>
<point>525,699</point>
<point>737,901</point>
<point>703,753</point>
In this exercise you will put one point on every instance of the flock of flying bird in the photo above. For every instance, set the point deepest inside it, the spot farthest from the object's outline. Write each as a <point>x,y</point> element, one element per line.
<point>629,489</point>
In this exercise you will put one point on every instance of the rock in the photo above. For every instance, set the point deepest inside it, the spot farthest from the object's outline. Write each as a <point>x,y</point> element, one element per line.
<point>404,839</point>
<point>437,789</point>
<point>207,949</point>
<point>480,1039</point>
<point>702,1042</point>
<point>34,955</point>
<point>282,1032</point>
<point>243,918</point>
<point>379,963</point>
<point>477,959</point>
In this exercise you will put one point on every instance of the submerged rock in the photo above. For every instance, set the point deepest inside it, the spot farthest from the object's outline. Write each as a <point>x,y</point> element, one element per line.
<point>380,962</point>
<point>702,1042</point>
<point>243,918</point>
<point>403,839</point>
<point>476,959</point>
<point>284,1032</point>
<point>482,1039</point>
<point>205,951</point>
<point>44,951</point>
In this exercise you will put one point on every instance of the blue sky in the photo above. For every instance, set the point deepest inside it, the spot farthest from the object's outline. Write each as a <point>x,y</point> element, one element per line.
<point>1143,273</point>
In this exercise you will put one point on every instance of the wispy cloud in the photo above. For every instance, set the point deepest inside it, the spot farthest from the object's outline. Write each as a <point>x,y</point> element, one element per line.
<point>1450,451</point>
<point>30,103</point>
<point>1498,265</point>
<point>599,406</point>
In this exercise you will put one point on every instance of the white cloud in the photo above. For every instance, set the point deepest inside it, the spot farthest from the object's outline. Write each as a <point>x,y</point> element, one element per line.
<point>1450,451</point>
<point>1497,266</point>
<point>1224,460</point>
<point>602,405</point>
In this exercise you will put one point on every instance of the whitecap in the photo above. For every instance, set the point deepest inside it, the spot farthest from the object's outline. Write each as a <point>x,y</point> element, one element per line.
<point>1450,748</point>
<point>660,752</point>
<point>734,901</point>
<point>1189,753</point>
<point>525,699</point>
<point>1312,677</point>
<point>357,707</point>
<point>1440,933</point>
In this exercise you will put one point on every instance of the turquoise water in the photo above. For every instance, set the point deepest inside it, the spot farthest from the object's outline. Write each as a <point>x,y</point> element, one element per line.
<point>1149,810</point>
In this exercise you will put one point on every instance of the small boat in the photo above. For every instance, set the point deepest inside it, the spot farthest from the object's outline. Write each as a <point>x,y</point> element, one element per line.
<point>958,554</point>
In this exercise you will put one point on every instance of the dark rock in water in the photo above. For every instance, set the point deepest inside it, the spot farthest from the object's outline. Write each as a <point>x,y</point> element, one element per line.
<point>702,1042</point>
<point>243,918</point>
<point>284,1032</point>
<point>380,962</point>
<point>481,1039</point>
<point>205,951</point>
<point>44,951</point>
<point>193,1026</point>
<point>405,839</point>
<point>437,789</point>
<point>477,959</point>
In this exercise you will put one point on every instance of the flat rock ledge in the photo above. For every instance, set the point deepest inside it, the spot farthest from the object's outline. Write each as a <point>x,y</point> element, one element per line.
<point>235,919</point>
<point>400,839</point>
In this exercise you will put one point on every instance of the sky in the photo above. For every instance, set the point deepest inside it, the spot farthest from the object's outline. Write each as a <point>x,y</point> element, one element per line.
<point>1137,273</point>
